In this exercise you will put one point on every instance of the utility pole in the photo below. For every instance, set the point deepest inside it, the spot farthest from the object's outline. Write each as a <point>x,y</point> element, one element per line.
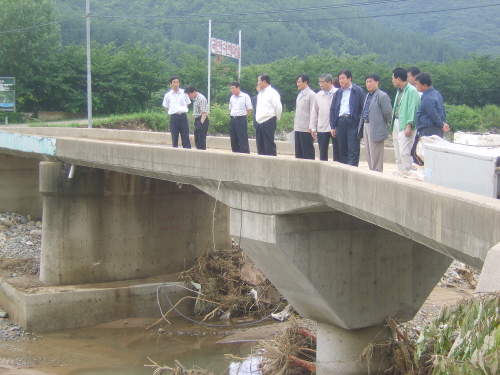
<point>209,61</point>
<point>89,74</point>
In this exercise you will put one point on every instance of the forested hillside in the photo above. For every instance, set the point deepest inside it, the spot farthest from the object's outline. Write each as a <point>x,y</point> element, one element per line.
<point>270,29</point>
<point>137,45</point>
<point>472,25</point>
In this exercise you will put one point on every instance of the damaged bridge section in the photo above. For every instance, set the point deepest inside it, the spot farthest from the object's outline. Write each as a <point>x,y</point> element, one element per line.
<point>347,247</point>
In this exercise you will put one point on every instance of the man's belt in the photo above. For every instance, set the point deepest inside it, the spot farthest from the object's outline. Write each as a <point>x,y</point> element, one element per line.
<point>345,116</point>
<point>238,116</point>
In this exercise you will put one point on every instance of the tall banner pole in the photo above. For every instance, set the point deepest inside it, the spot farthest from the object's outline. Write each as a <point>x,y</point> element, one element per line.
<point>89,74</point>
<point>239,62</point>
<point>209,60</point>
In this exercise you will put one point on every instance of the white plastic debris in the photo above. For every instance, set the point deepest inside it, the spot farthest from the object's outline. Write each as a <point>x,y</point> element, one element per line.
<point>282,315</point>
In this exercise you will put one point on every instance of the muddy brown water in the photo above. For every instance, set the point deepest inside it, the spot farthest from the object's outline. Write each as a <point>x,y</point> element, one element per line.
<point>123,348</point>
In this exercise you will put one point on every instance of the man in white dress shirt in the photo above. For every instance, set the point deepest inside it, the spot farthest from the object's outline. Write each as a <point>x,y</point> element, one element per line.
<point>304,142</point>
<point>176,103</point>
<point>268,112</point>
<point>240,106</point>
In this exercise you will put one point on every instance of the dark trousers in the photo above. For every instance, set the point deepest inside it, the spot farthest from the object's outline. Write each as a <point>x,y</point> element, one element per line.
<point>179,125</point>
<point>200,133</point>
<point>324,143</point>
<point>304,145</point>
<point>423,132</point>
<point>238,133</point>
<point>347,137</point>
<point>256,125</point>
<point>265,137</point>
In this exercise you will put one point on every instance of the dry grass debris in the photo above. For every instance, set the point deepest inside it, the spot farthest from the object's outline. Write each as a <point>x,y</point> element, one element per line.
<point>179,369</point>
<point>217,274</point>
<point>291,352</point>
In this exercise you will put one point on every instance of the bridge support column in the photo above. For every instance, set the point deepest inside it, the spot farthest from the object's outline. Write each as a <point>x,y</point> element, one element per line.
<point>338,349</point>
<point>19,186</point>
<point>347,274</point>
<point>104,226</point>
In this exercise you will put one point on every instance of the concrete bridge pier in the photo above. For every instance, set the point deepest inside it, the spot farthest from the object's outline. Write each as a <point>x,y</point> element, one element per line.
<point>101,226</point>
<point>338,349</point>
<point>347,274</point>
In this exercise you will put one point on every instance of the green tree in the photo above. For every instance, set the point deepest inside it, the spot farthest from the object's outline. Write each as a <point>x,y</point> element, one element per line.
<point>23,46</point>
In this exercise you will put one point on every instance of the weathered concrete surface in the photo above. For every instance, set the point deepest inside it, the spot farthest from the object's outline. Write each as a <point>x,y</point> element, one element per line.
<point>105,226</point>
<point>347,247</point>
<point>459,224</point>
<point>19,186</point>
<point>43,308</point>
<point>340,270</point>
<point>338,350</point>
<point>489,280</point>
<point>213,143</point>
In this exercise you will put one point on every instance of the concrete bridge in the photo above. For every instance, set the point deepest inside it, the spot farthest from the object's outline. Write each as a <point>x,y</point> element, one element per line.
<point>346,247</point>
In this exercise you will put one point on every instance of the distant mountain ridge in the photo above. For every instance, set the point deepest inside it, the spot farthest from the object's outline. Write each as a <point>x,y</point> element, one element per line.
<point>474,25</point>
<point>270,33</point>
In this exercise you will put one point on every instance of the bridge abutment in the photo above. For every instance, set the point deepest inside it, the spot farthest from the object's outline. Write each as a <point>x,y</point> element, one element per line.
<point>19,186</point>
<point>101,226</point>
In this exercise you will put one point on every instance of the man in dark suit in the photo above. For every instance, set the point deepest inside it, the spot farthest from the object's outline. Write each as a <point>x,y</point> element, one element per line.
<point>345,112</point>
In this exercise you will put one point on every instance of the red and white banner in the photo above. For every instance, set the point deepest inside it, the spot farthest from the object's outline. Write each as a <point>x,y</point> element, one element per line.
<point>221,47</point>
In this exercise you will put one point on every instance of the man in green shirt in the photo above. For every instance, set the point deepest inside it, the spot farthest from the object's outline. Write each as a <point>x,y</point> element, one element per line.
<point>403,128</point>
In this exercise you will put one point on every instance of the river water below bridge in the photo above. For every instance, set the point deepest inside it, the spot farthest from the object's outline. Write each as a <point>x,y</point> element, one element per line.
<point>123,348</point>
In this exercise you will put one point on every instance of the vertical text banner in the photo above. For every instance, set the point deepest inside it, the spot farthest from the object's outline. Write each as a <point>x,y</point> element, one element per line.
<point>7,94</point>
<point>221,47</point>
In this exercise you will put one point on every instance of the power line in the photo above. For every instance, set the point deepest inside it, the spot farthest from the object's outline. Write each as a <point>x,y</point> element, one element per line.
<point>320,8</point>
<point>38,26</point>
<point>412,12</point>
<point>364,17</point>
<point>271,11</point>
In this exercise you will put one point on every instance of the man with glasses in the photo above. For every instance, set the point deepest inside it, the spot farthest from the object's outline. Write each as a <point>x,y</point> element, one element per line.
<point>320,117</point>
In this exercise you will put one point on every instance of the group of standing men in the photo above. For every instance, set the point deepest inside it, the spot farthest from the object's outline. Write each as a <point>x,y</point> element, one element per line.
<point>266,106</point>
<point>343,113</point>
<point>340,112</point>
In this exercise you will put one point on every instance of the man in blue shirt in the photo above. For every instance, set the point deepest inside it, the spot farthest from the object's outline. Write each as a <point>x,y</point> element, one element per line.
<point>431,115</point>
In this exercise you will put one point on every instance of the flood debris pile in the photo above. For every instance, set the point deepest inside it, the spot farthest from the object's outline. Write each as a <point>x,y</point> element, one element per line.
<point>229,285</point>
<point>464,339</point>
<point>291,352</point>
<point>460,275</point>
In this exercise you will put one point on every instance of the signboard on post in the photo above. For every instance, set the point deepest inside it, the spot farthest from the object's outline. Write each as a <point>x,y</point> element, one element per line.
<point>7,94</point>
<point>221,47</point>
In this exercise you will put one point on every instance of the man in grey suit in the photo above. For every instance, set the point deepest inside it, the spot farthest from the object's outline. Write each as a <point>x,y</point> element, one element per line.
<point>374,122</point>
